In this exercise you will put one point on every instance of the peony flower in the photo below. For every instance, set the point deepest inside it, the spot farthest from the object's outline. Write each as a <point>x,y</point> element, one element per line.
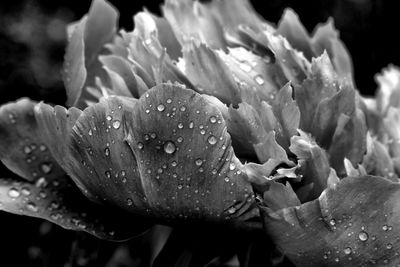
<point>212,115</point>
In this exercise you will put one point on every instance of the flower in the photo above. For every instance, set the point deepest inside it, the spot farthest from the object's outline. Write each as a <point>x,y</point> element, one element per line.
<point>195,116</point>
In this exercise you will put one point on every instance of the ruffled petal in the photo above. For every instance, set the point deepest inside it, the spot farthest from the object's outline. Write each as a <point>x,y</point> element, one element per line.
<point>354,223</point>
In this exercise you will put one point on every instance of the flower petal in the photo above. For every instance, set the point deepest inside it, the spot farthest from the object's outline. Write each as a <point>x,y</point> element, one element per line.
<point>22,148</point>
<point>48,193</point>
<point>86,43</point>
<point>191,19</point>
<point>319,86</point>
<point>389,89</point>
<point>328,112</point>
<point>313,161</point>
<point>293,30</point>
<point>185,158</point>
<point>166,156</point>
<point>60,202</point>
<point>206,70</point>
<point>348,141</point>
<point>288,115</point>
<point>353,224</point>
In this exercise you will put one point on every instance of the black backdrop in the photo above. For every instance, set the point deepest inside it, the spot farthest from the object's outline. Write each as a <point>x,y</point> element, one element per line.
<point>31,54</point>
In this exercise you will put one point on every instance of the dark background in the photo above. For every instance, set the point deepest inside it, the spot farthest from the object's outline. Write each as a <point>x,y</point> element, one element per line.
<point>32,42</point>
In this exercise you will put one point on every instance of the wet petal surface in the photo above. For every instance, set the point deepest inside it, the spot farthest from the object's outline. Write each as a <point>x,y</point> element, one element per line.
<point>353,224</point>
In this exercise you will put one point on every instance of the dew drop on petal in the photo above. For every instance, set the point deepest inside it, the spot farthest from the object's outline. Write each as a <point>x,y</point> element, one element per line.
<point>226,179</point>
<point>109,118</point>
<point>129,202</point>
<point>32,207</point>
<point>27,150</point>
<point>140,145</point>
<point>212,140</point>
<point>41,182</point>
<point>363,236</point>
<point>108,174</point>
<point>180,125</point>
<point>191,125</point>
<point>259,80</point>
<point>199,162</point>
<point>25,191</point>
<point>169,147</point>
<point>161,107</point>
<point>231,210</point>
<point>180,186</point>
<point>13,193</point>
<point>179,139</point>
<point>182,108</point>
<point>169,100</point>
<point>347,250</point>
<point>116,124</point>
<point>107,151</point>
<point>90,132</point>
<point>232,166</point>
<point>213,119</point>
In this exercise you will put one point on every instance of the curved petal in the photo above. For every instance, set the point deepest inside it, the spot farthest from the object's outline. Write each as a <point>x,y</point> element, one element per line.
<point>48,193</point>
<point>22,149</point>
<point>60,202</point>
<point>293,30</point>
<point>166,156</point>
<point>87,41</point>
<point>206,70</point>
<point>355,223</point>
<point>191,19</point>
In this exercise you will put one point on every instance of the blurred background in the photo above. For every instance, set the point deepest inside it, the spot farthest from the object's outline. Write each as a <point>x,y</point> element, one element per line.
<point>32,43</point>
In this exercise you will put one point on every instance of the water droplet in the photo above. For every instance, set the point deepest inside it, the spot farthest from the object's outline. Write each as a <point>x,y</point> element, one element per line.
<point>179,139</point>
<point>25,191</point>
<point>13,193</point>
<point>385,227</point>
<point>147,111</point>
<point>129,202</point>
<point>245,67</point>
<point>108,118</point>
<point>363,236</point>
<point>32,207</point>
<point>107,151</point>
<point>183,108</point>
<point>199,162</point>
<point>140,145</point>
<point>12,118</point>
<point>389,246</point>
<point>213,119</point>
<point>226,179</point>
<point>348,251</point>
<point>332,222</point>
<point>42,148</point>
<point>160,170</point>
<point>259,80</point>
<point>116,124</point>
<point>153,135</point>
<point>191,125</point>
<point>108,174</point>
<point>202,132</point>
<point>180,125</point>
<point>169,147</point>
<point>212,140</point>
<point>90,132</point>
<point>231,210</point>
<point>27,150</point>
<point>41,182</point>
<point>232,166</point>
<point>161,107</point>
<point>180,186</point>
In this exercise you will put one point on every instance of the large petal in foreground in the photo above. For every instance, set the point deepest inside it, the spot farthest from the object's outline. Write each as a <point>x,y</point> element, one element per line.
<point>46,191</point>
<point>355,223</point>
